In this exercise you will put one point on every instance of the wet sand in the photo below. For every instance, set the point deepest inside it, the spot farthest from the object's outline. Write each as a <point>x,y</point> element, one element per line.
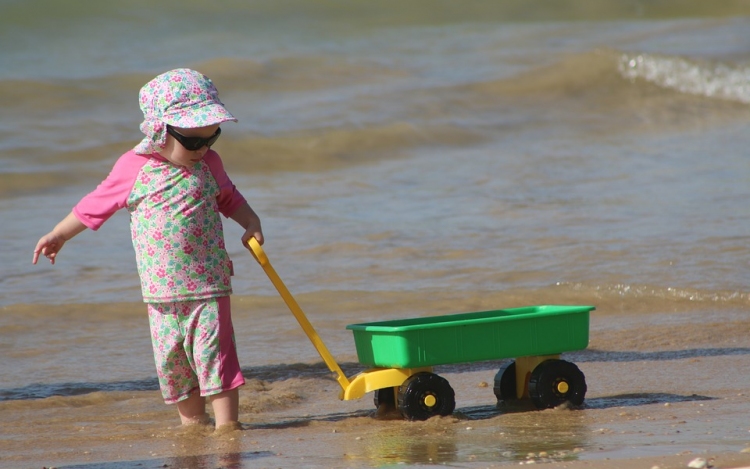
<point>663,389</point>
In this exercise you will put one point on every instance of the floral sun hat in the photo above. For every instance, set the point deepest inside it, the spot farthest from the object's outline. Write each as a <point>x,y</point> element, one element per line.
<point>180,98</point>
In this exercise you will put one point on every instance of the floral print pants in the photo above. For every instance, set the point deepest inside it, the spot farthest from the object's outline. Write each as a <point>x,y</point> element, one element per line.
<point>194,348</point>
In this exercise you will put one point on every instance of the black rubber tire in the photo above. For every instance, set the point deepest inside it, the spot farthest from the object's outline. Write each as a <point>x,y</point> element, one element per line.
<point>385,396</point>
<point>416,394</point>
<point>554,382</point>
<point>505,383</point>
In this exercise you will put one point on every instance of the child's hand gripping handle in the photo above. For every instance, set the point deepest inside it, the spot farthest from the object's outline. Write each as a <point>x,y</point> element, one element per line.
<point>262,259</point>
<point>258,253</point>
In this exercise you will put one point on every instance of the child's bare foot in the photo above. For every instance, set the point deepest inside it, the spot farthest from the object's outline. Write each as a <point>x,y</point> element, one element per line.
<point>204,419</point>
<point>228,428</point>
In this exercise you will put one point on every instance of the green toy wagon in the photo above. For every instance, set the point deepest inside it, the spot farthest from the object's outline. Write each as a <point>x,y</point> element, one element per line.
<point>402,353</point>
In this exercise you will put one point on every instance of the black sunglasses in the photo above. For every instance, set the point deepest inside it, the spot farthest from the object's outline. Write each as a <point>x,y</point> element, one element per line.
<point>194,143</point>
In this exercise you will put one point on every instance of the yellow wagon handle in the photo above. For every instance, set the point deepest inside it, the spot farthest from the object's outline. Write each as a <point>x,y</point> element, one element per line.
<point>262,259</point>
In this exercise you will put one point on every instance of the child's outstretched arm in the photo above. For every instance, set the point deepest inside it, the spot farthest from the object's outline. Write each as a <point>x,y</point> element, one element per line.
<point>248,219</point>
<point>51,243</point>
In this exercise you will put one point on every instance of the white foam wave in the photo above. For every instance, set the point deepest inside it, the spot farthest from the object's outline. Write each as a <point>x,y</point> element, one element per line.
<point>659,293</point>
<point>713,81</point>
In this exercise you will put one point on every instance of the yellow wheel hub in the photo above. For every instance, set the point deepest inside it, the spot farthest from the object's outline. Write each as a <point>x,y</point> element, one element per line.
<point>562,387</point>
<point>430,400</point>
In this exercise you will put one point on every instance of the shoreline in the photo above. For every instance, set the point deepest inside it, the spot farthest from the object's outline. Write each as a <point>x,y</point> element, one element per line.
<point>663,389</point>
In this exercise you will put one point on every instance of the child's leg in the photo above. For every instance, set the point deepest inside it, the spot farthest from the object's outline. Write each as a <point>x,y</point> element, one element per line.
<point>177,381</point>
<point>226,407</point>
<point>215,358</point>
<point>193,409</point>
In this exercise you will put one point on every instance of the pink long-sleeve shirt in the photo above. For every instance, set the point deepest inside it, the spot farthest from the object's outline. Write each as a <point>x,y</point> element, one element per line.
<point>175,225</point>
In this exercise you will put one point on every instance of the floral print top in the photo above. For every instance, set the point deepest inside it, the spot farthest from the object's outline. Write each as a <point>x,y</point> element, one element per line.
<point>175,224</point>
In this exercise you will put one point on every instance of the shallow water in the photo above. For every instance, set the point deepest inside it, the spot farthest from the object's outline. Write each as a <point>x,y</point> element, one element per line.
<point>406,161</point>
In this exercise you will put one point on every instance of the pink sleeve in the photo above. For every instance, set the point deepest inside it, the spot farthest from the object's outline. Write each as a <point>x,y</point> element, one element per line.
<point>229,197</point>
<point>112,194</point>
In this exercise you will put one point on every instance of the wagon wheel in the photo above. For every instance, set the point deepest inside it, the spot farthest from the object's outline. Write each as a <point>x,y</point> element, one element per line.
<point>385,396</point>
<point>425,395</point>
<point>505,383</point>
<point>556,381</point>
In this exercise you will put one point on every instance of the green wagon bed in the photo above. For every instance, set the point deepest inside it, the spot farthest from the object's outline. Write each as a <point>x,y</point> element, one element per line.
<point>472,337</point>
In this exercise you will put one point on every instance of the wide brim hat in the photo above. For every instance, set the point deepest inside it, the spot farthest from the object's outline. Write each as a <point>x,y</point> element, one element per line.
<point>181,98</point>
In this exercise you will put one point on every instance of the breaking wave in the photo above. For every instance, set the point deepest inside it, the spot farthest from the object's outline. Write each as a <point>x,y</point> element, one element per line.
<point>688,76</point>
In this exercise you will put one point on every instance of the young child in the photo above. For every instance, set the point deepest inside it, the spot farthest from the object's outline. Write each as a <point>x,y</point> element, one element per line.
<point>174,187</point>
